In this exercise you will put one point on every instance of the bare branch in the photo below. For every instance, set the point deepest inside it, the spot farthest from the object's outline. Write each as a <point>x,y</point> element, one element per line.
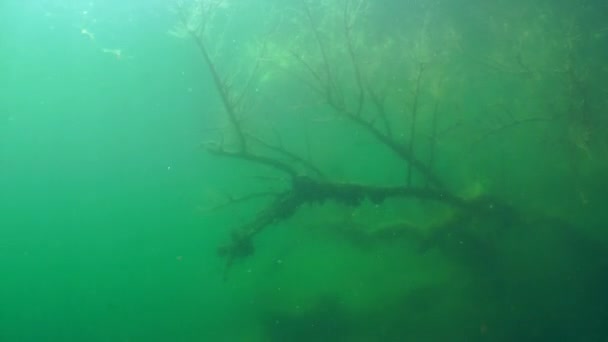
<point>238,200</point>
<point>414,113</point>
<point>330,83</point>
<point>350,16</point>
<point>512,124</point>
<point>305,190</point>
<point>266,161</point>
<point>291,156</point>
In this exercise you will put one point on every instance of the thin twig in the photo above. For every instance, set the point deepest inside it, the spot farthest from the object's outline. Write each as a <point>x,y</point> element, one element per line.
<point>266,161</point>
<point>290,155</point>
<point>414,112</point>
<point>348,23</point>
<point>238,200</point>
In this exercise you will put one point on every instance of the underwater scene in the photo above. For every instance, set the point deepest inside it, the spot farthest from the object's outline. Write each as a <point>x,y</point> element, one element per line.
<point>304,170</point>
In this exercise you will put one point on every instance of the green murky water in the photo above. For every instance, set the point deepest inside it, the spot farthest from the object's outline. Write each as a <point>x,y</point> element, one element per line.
<point>341,170</point>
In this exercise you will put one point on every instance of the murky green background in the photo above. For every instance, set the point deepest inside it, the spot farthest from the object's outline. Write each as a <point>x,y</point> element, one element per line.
<point>107,227</point>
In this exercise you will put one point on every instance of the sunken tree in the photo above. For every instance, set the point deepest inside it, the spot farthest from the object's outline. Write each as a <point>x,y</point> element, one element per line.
<point>339,106</point>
